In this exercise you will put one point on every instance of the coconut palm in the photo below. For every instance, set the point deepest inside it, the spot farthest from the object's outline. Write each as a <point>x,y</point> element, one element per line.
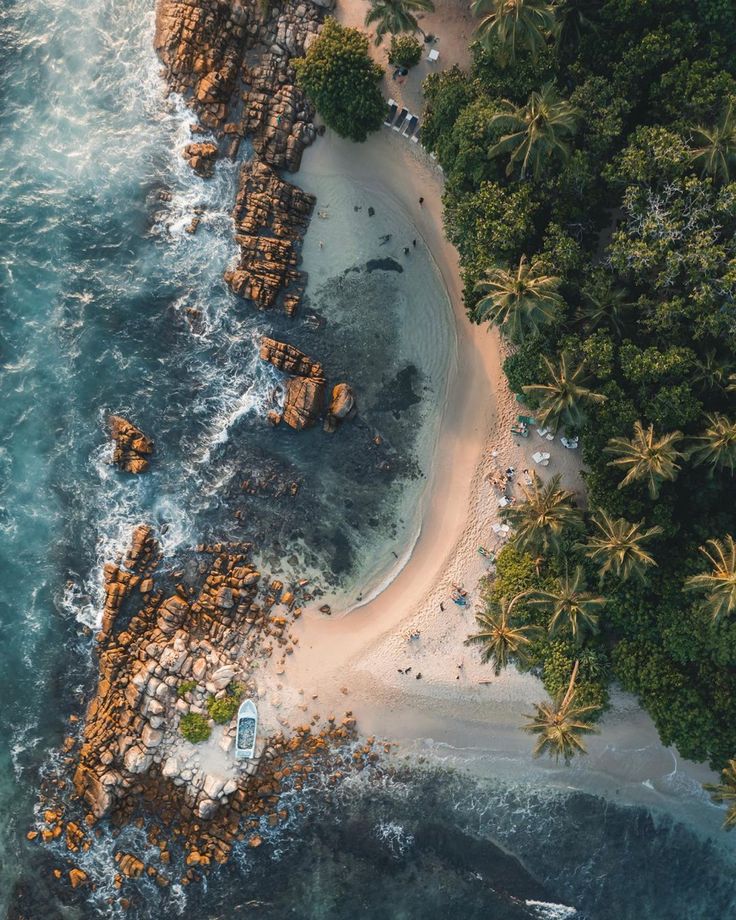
<point>646,458</point>
<point>716,154</point>
<point>499,639</point>
<point>514,24</point>
<point>537,131</point>
<point>604,305</point>
<point>543,517</point>
<point>716,445</point>
<point>564,394</point>
<point>725,792</point>
<point>560,724</point>
<point>519,301</point>
<point>618,546</point>
<point>570,607</point>
<point>572,18</point>
<point>713,372</point>
<point>394,16</point>
<point>720,583</point>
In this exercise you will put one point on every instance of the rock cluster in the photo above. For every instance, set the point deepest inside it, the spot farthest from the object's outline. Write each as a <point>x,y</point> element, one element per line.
<point>132,447</point>
<point>232,64</point>
<point>270,217</point>
<point>304,391</point>
<point>201,157</point>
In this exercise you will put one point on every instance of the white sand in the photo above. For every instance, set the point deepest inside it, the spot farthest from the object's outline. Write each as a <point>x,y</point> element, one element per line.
<point>351,660</point>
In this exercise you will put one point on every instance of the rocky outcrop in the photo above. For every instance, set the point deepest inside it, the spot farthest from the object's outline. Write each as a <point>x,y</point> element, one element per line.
<point>270,217</point>
<point>304,401</point>
<point>201,157</point>
<point>132,447</point>
<point>289,359</point>
<point>304,391</point>
<point>342,406</point>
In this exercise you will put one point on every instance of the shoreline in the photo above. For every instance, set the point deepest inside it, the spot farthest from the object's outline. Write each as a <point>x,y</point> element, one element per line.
<point>353,657</point>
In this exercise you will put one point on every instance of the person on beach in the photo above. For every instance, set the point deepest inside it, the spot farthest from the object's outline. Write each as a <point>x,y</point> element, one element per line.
<point>406,250</point>
<point>321,244</point>
<point>385,238</point>
<point>414,243</point>
<point>421,202</point>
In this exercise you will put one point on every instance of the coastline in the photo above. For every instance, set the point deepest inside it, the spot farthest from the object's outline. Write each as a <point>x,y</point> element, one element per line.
<point>354,655</point>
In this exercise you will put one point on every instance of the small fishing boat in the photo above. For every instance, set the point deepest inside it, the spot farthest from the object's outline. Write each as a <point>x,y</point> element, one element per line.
<point>245,740</point>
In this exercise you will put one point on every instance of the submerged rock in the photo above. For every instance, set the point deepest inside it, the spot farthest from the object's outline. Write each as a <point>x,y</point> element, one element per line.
<point>201,157</point>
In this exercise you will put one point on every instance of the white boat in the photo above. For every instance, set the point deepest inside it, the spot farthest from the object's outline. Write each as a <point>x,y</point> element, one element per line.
<point>245,739</point>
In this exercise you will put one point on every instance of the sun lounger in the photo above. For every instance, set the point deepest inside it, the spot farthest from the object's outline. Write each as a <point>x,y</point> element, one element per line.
<point>400,120</point>
<point>433,55</point>
<point>546,433</point>
<point>415,137</point>
<point>541,458</point>
<point>570,443</point>
<point>526,420</point>
<point>391,112</point>
<point>503,502</point>
<point>411,124</point>
<point>518,429</point>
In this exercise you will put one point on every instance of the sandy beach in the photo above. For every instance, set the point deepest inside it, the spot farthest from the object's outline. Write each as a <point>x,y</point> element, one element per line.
<point>431,692</point>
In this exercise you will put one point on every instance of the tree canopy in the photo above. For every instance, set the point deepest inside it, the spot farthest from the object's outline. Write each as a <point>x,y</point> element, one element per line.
<point>592,148</point>
<point>340,78</point>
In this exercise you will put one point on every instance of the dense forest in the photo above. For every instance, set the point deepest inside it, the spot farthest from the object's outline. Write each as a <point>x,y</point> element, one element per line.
<point>590,165</point>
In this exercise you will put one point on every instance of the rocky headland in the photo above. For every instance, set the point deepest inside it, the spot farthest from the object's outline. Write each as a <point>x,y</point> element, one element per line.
<point>231,62</point>
<point>178,650</point>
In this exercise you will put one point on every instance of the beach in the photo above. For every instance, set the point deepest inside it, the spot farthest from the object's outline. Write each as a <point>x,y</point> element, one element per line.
<point>357,655</point>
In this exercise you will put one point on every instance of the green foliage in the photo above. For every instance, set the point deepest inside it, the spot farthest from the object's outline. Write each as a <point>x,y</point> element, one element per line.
<point>222,710</point>
<point>339,76</point>
<point>405,51</point>
<point>629,203</point>
<point>194,727</point>
<point>185,687</point>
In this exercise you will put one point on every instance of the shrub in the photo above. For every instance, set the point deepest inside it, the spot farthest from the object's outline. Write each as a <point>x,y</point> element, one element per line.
<point>405,51</point>
<point>340,78</point>
<point>195,727</point>
<point>222,710</point>
<point>185,687</point>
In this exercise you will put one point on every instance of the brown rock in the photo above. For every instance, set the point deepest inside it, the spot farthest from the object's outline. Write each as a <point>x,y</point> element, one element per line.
<point>77,877</point>
<point>131,446</point>
<point>201,157</point>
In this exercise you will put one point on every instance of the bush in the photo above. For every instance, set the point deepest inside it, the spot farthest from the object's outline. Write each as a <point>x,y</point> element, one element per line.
<point>405,51</point>
<point>340,78</point>
<point>222,710</point>
<point>185,687</point>
<point>195,727</point>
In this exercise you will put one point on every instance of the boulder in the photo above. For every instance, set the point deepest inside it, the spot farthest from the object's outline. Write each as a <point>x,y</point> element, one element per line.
<point>342,406</point>
<point>132,447</point>
<point>304,401</point>
<point>201,157</point>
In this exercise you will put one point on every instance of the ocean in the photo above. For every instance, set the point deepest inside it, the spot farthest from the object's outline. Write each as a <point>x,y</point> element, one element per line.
<point>109,305</point>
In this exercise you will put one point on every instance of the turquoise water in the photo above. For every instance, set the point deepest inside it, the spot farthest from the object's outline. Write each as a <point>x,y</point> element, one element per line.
<point>99,281</point>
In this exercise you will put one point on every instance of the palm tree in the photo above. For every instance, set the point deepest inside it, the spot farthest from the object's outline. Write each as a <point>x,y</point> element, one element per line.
<point>713,372</point>
<point>572,18</point>
<point>559,725</point>
<point>618,546</point>
<point>514,23</point>
<point>570,606</point>
<point>499,639</point>
<point>519,301</point>
<point>564,394</point>
<point>725,791</point>
<point>717,444</point>
<point>716,154</point>
<point>720,583</point>
<point>646,458</point>
<point>547,512</point>
<point>604,305</point>
<point>394,16</point>
<point>537,130</point>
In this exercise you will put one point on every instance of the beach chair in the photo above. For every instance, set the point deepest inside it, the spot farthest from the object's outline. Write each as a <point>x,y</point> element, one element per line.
<point>522,431</point>
<point>540,458</point>
<point>570,443</point>
<point>526,420</point>
<point>433,56</point>
<point>411,124</point>
<point>416,135</point>
<point>400,120</point>
<point>503,502</point>
<point>391,112</point>
<point>546,433</point>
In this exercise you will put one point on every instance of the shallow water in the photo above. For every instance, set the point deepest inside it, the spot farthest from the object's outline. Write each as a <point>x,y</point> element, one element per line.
<point>109,305</point>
